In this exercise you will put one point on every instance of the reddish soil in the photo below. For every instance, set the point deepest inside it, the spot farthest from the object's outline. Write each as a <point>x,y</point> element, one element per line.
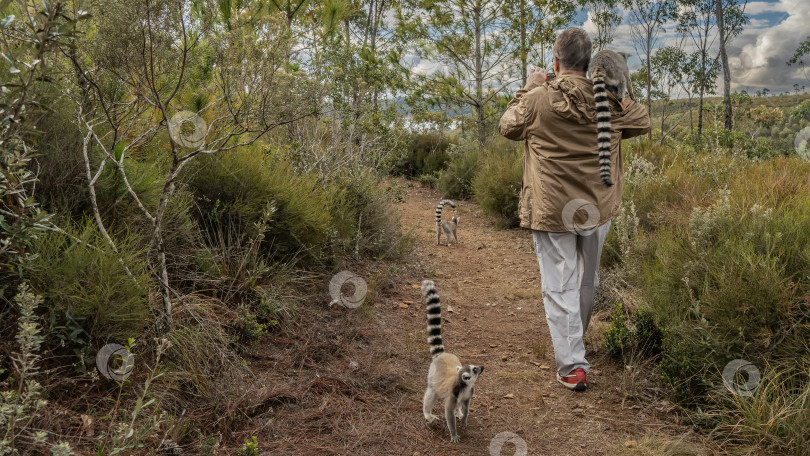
<point>357,389</point>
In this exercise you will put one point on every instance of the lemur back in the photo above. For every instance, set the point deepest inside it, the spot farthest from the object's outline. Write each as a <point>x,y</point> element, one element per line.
<point>609,72</point>
<point>449,227</point>
<point>448,380</point>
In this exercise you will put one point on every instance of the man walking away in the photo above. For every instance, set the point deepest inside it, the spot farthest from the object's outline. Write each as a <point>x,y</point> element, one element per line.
<point>563,200</point>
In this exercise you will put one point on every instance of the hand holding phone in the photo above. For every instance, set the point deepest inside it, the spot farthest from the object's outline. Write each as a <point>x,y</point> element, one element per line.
<point>537,76</point>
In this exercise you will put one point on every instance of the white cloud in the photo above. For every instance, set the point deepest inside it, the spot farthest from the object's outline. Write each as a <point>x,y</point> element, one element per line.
<point>755,8</point>
<point>765,50</point>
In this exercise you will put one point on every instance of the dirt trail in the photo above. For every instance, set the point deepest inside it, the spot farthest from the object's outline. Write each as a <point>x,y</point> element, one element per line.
<point>491,282</point>
<point>367,399</point>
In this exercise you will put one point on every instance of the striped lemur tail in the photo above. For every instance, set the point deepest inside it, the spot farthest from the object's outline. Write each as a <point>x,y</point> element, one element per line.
<point>602,125</point>
<point>434,317</point>
<point>439,209</point>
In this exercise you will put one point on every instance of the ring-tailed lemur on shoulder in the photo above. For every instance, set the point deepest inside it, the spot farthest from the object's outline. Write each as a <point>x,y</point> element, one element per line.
<point>447,380</point>
<point>609,72</point>
<point>449,227</point>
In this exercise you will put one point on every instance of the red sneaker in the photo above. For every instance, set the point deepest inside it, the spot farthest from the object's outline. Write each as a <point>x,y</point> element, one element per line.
<point>576,380</point>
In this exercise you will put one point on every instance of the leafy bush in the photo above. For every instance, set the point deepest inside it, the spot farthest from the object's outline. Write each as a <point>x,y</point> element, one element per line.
<point>362,217</point>
<point>498,181</point>
<point>425,154</point>
<point>720,260</point>
<point>801,112</point>
<point>455,181</point>
<point>92,283</point>
<point>617,337</point>
<point>237,189</point>
<point>638,334</point>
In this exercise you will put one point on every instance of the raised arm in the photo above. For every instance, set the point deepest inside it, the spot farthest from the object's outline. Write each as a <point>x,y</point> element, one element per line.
<point>518,113</point>
<point>635,121</point>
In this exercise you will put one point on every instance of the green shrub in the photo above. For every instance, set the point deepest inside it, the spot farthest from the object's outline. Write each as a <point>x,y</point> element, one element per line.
<point>721,261</point>
<point>237,189</point>
<point>498,181</point>
<point>801,112</point>
<point>429,180</point>
<point>617,337</point>
<point>425,154</point>
<point>363,217</point>
<point>92,284</point>
<point>455,181</point>
<point>629,336</point>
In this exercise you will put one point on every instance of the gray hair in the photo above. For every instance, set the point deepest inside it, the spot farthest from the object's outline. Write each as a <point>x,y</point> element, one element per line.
<point>573,49</point>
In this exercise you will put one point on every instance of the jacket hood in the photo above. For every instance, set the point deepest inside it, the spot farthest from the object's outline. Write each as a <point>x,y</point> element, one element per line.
<point>572,98</point>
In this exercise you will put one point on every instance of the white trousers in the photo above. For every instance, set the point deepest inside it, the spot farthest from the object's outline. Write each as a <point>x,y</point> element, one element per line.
<point>569,264</point>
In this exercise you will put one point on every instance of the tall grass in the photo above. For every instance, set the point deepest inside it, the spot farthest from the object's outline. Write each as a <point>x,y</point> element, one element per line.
<point>90,280</point>
<point>721,257</point>
<point>776,417</point>
<point>498,181</point>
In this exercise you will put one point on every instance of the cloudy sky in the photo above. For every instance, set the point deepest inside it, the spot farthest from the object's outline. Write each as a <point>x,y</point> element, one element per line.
<point>758,56</point>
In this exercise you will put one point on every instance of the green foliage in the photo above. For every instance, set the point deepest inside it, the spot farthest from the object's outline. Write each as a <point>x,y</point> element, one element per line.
<point>801,51</point>
<point>362,217</point>
<point>22,396</point>
<point>637,334</point>
<point>237,188</point>
<point>69,328</point>
<point>498,181</point>
<point>777,416</point>
<point>455,181</point>
<point>248,328</point>
<point>721,261</point>
<point>89,281</point>
<point>251,447</point>
<point>801,112</point>
<point>426,154</point>
<point>617,337</point>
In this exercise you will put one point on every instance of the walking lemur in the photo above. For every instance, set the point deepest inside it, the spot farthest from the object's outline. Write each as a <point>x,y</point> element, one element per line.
<point>448,380</point>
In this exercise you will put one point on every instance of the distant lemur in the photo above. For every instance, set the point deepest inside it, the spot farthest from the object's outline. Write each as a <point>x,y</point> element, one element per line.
<point>444,225</point>
<point>609,72</point>
<point>448,380</point>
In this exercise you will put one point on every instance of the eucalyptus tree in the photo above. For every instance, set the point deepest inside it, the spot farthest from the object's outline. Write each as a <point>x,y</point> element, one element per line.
<point>697,20</point>
<point>533,28</point>
<point>467,41</point>
<point>730,17</point>
<point>647,19</point>
<point>667,65</point>
<point>605,17</point>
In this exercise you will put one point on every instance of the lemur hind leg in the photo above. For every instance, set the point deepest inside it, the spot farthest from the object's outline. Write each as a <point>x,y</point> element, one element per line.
<point>427,406</point>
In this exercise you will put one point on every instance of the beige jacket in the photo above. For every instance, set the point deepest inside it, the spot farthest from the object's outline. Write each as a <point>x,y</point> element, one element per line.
<point>562,190</point>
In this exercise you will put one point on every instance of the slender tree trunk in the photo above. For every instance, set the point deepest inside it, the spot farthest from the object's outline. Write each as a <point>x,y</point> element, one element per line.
<point>700,114</point>
<point>649,83</point>
<point>704,68</point>
<point>663,110</point>
<point>479,77</point>
<point>691,119</point>
<point>729,123</point>
<point>524,48</point>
